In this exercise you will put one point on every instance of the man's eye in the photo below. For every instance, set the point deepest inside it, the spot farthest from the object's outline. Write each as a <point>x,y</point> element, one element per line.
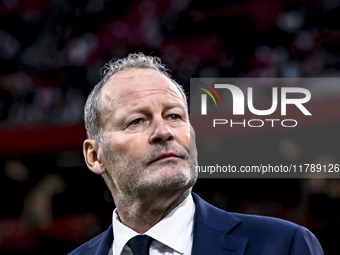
<point>174,117</point>
<point>136,122</point>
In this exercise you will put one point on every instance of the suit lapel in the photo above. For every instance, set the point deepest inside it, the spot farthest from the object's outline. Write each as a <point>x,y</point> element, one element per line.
<point>102,244</point>
<point>211,228</point>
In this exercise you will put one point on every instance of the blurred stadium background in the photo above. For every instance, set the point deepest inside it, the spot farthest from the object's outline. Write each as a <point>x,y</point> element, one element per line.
<point>51,52</point>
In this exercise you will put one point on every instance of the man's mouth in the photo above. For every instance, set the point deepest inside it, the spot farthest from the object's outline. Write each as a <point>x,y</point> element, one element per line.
<point>165,156</point>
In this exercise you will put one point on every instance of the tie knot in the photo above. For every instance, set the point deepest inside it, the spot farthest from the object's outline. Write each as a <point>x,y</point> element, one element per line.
<point>140,244</point>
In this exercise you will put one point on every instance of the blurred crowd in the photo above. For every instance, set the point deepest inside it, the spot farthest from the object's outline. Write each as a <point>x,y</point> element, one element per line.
<point>51,54</point>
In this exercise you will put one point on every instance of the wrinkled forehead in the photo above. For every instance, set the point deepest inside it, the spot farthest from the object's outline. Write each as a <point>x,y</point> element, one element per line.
<point>133,84</point>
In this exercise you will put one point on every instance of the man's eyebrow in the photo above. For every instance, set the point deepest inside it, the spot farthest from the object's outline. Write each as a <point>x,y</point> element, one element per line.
<point>147,108</point>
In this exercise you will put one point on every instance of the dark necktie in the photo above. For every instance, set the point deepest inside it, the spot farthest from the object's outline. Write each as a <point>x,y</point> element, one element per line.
<point>140,244</point>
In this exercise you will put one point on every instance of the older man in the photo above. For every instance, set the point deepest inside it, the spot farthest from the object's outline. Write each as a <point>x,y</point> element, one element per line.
<point>140,140</point>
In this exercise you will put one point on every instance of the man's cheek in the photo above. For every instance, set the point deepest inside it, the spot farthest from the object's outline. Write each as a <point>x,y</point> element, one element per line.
<point>123,145</point>
<point>183,138</point>
<point>133,149</point>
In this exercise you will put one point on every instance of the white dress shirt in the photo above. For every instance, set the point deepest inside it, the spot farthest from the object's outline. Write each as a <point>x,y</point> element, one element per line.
<point>172,235</point>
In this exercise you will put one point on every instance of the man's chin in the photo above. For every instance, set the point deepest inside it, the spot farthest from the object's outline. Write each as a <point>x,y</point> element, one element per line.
<point>169,179</point>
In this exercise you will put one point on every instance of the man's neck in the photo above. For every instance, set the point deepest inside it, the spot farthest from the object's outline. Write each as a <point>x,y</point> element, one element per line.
<point>142,213</point>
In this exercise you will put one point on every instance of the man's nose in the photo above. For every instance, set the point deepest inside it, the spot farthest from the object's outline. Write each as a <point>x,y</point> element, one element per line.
<point>162,133</point>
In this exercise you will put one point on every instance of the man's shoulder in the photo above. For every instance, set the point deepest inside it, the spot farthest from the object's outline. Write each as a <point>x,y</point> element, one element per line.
<point>206,210</point>
<point>246,222</point>
<point>260,234</point>
<point>271,226</point>
<point>252,220</point>
<point>274,232</point>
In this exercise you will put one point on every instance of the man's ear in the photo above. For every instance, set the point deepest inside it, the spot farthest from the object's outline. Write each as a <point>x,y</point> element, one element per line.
<point>90,150</point>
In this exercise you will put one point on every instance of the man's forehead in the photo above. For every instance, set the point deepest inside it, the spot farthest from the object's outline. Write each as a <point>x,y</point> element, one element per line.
<point>138,83</point>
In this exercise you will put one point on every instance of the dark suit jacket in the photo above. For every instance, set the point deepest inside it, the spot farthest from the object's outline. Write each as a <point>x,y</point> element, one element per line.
<point>217,232</point>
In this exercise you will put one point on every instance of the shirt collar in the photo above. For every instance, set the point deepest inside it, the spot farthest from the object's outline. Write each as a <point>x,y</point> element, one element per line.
<point>174,230</point>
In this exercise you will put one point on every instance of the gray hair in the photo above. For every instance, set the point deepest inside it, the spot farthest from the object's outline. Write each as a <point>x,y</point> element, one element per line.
<point>136,60</point>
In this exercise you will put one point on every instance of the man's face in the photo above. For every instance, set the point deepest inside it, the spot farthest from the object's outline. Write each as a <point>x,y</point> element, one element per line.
<point>146,133</point>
